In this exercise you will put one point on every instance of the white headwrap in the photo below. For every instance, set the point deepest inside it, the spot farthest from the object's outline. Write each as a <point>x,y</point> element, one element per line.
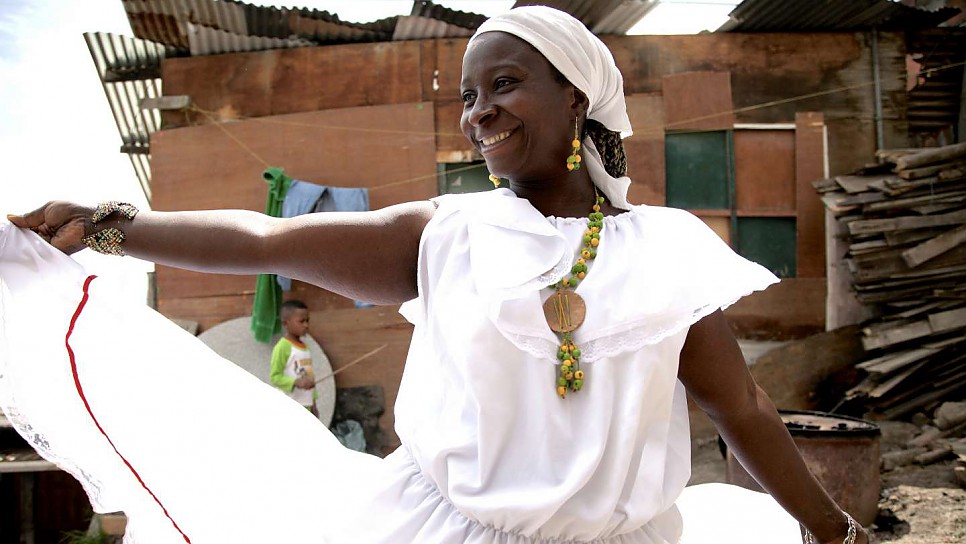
<point>587,63</point>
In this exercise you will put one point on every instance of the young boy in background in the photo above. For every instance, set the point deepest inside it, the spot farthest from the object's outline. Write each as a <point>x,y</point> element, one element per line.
<point>291,361</point>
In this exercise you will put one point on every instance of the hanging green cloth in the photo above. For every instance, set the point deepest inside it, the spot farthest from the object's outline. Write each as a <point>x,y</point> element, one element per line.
<point>268,294</point>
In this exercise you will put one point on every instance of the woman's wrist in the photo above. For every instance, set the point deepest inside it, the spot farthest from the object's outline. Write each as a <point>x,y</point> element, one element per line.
<point>103,233</point>
<point>846,534</point>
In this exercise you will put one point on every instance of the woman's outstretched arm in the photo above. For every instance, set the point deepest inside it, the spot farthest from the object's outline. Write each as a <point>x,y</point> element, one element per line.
<point>369,256</point>
<point>714,373</point>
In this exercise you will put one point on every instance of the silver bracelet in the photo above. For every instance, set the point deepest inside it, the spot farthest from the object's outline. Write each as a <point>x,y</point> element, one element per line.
<point>849,536</point>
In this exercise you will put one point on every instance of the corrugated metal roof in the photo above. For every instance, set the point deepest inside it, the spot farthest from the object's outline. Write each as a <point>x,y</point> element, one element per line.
<point>831,15</point>
<point>425,8</point>
<point>204,40</point>
<point>418,28</point>
<point>215,26</point>
<point>130,70</point>
<point>602,17</point>
<point>319,27</point>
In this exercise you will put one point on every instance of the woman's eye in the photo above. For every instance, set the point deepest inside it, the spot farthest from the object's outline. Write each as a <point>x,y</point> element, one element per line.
<point>500,83</point>
<point>468,97</point>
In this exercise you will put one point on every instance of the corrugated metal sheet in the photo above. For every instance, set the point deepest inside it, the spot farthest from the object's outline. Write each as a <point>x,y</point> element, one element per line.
<point>602,17</point>
<point>129,70</point>
<point>418,28</point>
<point>320,28</point>
<point>830,15</point>
<point>203,40</point>
<point>216,26</point>
<point>425,8</point>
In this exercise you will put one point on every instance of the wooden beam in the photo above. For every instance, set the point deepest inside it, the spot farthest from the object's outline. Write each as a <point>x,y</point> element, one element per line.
<point>167,103</point>
<point>870,226</point>
<point>931,156</point>
<point>935,246</point>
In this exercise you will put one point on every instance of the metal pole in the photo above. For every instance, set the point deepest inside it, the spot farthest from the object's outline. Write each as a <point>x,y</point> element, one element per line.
<point>877,90</point>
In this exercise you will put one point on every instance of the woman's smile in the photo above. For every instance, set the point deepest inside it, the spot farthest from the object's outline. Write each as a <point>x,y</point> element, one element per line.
<point>490,143</point>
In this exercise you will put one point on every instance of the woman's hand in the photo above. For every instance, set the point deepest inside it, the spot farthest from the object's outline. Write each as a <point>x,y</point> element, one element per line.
<point>62,224</point>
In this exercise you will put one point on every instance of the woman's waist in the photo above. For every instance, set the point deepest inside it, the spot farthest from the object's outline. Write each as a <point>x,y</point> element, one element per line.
<point>570,495</point>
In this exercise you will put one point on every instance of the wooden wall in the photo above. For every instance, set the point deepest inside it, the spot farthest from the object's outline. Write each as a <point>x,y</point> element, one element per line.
<point>773,76</point>
<point>388,149</point>
<point>379,115</point>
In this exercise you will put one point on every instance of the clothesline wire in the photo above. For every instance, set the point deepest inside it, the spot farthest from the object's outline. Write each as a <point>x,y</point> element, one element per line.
<point>646,131</point>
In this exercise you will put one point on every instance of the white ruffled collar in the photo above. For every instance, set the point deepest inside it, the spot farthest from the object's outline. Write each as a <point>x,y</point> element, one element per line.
<point>683,271</point>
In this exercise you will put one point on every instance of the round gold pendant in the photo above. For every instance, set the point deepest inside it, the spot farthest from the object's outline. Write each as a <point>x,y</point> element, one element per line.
<point>564,310</point>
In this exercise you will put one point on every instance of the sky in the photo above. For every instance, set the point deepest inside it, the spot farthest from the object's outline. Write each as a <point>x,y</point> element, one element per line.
<point>58,139</point>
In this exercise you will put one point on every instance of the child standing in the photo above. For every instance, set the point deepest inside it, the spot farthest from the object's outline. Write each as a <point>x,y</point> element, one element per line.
<point>291,360</point>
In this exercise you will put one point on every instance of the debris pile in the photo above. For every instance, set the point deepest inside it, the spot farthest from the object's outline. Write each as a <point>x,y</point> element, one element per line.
<point>928,440</point>
<point>905,223</point>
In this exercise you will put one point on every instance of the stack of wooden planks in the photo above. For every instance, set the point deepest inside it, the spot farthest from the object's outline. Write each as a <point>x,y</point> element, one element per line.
<point>905,224</point>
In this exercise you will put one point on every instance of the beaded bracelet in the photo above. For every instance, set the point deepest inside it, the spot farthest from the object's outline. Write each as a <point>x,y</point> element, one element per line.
<point>108,241</point>
<point>849,536</point>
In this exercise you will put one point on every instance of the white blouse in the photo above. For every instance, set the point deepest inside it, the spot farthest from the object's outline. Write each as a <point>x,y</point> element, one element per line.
<point>478,410</point>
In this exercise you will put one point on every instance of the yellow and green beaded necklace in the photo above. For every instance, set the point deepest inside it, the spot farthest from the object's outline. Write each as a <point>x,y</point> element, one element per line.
<point>565,309</point>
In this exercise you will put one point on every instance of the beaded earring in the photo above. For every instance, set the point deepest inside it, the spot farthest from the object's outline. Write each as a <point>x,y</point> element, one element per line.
<point>495,180</point>
<point>573,160</point>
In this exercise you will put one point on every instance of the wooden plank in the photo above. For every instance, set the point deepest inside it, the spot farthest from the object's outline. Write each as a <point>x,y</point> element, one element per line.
<point>765,171</point>
<point>904,237</point>
<point>891,155</point>
<point>179,102</point>
<point>698,101</point>
<point>948,320</point>
<point>903,203</point>
<point>934,209</point>
<point>855,184</point>
<point>911,331</point>
<point>810,164</point>
<point>302,79</point>
<point>825,185</point>
<point>953,174</point>
<point>448,134</point>
<point>934,247</point>
<point>927,171</point>
<point>893,382</point>
<point>931,156</point>
<point>881,269</point>
<point>894,361</point>
<point>904,223</point>
<point>645,150</point>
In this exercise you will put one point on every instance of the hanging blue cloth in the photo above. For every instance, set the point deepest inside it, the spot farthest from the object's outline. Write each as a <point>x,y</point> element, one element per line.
<point>304,197</point>
<point>343,199</point>
<point>301,198</point>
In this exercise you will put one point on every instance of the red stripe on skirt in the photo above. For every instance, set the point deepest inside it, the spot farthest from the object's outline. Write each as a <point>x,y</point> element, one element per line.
<point>80,391</point>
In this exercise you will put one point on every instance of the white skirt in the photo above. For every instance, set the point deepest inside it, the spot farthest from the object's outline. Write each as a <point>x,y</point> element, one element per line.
<point>194,449</point>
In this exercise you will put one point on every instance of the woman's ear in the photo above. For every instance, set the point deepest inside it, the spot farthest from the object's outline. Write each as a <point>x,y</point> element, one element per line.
<point>579,103</point>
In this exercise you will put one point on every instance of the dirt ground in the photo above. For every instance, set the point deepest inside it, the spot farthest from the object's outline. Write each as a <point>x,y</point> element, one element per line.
<point>917,505</point>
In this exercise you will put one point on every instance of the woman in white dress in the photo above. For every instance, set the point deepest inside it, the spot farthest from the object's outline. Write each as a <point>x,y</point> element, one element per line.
<point>557,328</point>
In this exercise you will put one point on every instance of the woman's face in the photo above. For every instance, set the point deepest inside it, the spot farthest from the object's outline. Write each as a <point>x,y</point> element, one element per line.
<point>515,111</point>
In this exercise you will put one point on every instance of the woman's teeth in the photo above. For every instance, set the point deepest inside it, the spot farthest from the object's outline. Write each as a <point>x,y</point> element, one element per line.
<point>494,139</point>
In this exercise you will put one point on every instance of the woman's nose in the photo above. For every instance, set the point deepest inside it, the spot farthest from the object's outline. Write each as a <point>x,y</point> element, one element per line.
<point>482,111</point>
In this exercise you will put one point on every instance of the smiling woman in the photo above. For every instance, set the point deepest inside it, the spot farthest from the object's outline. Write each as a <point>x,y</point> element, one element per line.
<point>557,330</point>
